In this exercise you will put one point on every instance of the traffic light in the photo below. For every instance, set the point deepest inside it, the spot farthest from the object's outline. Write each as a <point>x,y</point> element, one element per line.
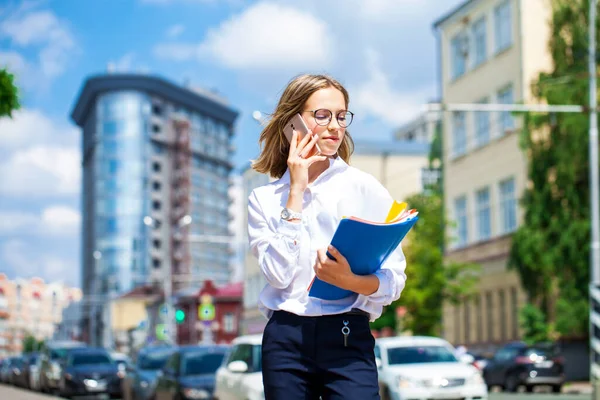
<point>179,316</point>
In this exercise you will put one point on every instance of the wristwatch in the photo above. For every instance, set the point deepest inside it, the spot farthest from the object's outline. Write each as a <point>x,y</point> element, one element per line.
<point>288,215</point>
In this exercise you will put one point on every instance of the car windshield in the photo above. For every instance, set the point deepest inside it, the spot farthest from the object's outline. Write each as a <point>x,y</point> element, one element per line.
<point>201,363</point>
<point>154,360</point>
<point>90,358</point>
<point>420,354</point>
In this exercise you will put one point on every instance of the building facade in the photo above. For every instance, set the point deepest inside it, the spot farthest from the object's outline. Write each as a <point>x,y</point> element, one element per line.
<point>156,165</point>
<point>398,165</point>
<point>31,308</point>
<point>420,129</point>
<point>490,52</point>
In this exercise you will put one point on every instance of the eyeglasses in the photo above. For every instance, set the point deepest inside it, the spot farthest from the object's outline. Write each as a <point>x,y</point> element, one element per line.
<point>323,117</point>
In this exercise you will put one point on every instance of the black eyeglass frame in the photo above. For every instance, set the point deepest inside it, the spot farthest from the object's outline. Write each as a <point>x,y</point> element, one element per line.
<point>331,116</point>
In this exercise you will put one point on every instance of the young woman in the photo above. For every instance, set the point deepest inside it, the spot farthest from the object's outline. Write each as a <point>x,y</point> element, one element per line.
<point>313,347</point>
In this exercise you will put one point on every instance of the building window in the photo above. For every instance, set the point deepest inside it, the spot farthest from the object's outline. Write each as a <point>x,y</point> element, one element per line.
<point>484,228</point>
<point>479,41</point>
<point>514,311</point>
<point>156,205</point>
<point>156,263</point>
<point>503,26</point>
<point>156,243</point>
<point>482,126</point>
<point>503,321</point>
<point>507,121</point>
<point>460,207</point>
<point>156,167</point>
<point>156,185</point>
<point>156,128</point>
<point>458,47</point>
<point>490,316</point>
<point>508,206</point>
<point>459,130</point>
<point>229,322</point>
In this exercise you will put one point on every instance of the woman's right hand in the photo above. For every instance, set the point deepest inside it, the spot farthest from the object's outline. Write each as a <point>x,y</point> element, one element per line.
<point>298,160</point>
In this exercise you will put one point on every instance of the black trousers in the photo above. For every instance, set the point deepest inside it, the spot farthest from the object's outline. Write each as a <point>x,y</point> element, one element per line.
<point>307,358</point>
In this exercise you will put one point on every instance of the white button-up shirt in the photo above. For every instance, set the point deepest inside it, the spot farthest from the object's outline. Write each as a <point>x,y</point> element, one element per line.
<point>287,251</point>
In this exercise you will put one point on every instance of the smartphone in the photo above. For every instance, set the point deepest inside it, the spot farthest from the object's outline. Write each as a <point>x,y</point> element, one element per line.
<point>298,124</point>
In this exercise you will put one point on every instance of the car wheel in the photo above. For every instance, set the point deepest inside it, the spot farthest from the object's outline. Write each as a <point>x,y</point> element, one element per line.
<point>529,388</point>
<point>556,388</point>
<point>511,384</point>
<point>385,394</point>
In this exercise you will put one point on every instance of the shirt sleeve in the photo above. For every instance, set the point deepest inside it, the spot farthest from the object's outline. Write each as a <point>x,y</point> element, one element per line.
<point>276,248</point>
<point>392,276</point>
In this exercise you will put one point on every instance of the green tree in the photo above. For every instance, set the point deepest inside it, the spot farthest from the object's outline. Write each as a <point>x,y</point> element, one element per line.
<point>9,100</point>
<point>550,250</point>
<point>31,344</point>
<point>534,325</point>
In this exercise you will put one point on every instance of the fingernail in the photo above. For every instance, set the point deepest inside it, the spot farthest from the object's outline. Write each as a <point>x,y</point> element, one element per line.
<point>315,136</point>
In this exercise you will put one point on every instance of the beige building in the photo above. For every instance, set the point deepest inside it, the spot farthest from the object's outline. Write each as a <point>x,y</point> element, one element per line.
<point>399,166</point>
<point>491,50</point>
<point>31,307</point>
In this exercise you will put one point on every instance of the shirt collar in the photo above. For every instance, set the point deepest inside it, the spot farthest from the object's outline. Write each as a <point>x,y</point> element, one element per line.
<point>336,164</point>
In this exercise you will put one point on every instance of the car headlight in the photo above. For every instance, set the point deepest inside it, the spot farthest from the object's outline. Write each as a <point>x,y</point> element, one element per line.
<point>144,384</point>
<point>405,382</point>
<point>191,393</point>
<point>475,379</point>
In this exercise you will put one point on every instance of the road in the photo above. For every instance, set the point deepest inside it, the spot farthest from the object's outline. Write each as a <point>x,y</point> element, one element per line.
<point>12,393</point>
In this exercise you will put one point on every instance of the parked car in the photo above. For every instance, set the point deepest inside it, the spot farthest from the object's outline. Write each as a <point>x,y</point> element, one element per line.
<point>189,373</point>
<point>87,371</point>
<point>52,355</point>
<point>35,367</point>
<point>517,364</point>
<point>5,370</point>
<point>422,367</point>
<point>17,367</point>
<point>140,381</point>
<point>240,376</point>
<point>29,365</point>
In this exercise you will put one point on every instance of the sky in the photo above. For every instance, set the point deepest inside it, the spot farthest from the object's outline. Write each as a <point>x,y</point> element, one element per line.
<point>383,51</point>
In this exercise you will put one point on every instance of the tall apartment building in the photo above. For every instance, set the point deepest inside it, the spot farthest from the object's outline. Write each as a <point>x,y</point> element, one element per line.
<point>156,165</point>
<point>490,52</point>
<point>31,307</point>
<point>398,165</point>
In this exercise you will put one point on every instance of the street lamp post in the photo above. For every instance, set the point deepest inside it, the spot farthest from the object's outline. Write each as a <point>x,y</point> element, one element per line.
<point>97,255</point>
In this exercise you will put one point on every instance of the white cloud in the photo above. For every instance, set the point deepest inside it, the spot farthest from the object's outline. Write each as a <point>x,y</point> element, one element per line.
<point>30,126</point>
<point>61,220</point>
<point>175,31</point>
<point>56,220</point>
<point>376,95</point>
<point>264,36</point>
<point>25,261</point>
<point>41,171</point>
<point>43,31</point>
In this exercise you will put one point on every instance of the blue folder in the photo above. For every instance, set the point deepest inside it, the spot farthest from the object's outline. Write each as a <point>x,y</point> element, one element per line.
<point>366,246</point>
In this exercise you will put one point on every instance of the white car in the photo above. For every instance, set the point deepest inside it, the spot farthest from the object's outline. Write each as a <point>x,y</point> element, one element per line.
<point>421,367</point>
<point>240,376</point>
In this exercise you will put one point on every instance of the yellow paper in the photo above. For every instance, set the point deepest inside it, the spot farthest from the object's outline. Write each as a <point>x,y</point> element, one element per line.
<point>395,211</point>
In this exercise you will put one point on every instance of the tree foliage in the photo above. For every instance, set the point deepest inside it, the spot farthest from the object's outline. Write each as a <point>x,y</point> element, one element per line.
<point>431,280</point>
<point>550,250</point>
<point>9,100</point>
<point>31,344</point>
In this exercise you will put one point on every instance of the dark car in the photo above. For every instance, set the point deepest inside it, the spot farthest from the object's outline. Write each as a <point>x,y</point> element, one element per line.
<point>140,381</point>
<point>518,364</point>
<point>17,375</point>
<point>52,358</point>
<point>90,371</point>
<point>190,373</point>
<point>29,366</point>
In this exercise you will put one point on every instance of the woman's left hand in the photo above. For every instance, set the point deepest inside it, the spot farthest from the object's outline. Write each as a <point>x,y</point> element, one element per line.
<point>337,272</point>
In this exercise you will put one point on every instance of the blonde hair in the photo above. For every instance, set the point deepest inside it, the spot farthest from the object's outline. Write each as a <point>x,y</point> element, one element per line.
<point>274,145</point>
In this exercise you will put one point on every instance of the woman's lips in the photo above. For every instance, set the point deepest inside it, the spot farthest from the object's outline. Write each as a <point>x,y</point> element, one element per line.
<point>331,138</point>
